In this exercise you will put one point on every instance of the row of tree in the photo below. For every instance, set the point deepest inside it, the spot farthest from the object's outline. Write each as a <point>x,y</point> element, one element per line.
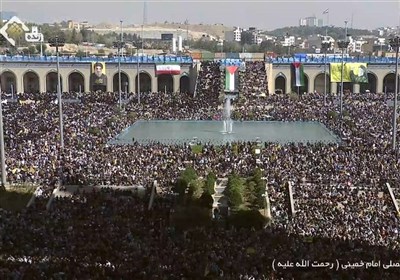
<point>304,31</point>
<point>194,197</point>
<point>241,192</point>
<point>247,193</point>
<point>246,45</point>
<point>190,188</point>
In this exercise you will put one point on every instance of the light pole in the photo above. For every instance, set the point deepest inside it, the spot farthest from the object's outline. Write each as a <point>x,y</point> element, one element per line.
<point>119,45</point>
<point>138,72</point>
<point>2,152</point>
<point>59,42</point>
<point>343,45</point>
<point>395,43</point>
<point>325,46</point>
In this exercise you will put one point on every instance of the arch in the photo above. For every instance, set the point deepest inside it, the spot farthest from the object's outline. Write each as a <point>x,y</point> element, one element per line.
<point>31,82</point>
<point>165,82</point>
<point>145,82</point>
<point>302,89</point>
<point>280,83</point>
<point>371,85</point>
<point>319,83</point>
<point>184,84</point>
<point>124,82</point>
<point>52,82</point>
<point>389,82</point>
<point>8,81</point>
<point>76,82</point>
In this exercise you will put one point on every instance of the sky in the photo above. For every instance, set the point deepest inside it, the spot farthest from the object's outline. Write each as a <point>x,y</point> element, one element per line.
<point>265,15</point>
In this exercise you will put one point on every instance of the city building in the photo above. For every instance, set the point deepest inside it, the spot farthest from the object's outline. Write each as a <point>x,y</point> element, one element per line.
<point>311,21</point>
<point>237,34</point>
<point>288,41</point>
<point>356,45</point>
<point>228,36</point>
<point>256,39</point>
<point>78,25</point>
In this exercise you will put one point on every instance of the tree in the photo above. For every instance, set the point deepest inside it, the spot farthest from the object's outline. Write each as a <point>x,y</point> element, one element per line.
<point>255,190</point>
<point>304,31</point>
<point>195,188</point>
<point>101,39</point>
<point>85,35</point>
<point>32,49</point>
<point>73,37</point>
<point>250,193</point>
<point>210,183</point>
<point>234,191</point>
<point>260,188</point>
<point>44,48</point>
<point>25,51</point>
<point>189,174</point>
<point>206,200</point>
<point>232,47</point>
<point>80,53</point>
<point>180,187</point>
<point>182,184</point>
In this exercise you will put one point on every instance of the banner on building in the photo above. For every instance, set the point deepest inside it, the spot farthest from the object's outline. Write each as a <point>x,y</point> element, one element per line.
<point>352,72</point>
<point>174,69</point>
<point>298,74</point>
<point>98,78</point>
<point>231,78</point>
<point>358,73</point>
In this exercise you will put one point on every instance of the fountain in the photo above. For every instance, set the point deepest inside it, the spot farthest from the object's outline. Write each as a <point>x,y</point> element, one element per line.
<point>209,131</point>
<point>227,121</point>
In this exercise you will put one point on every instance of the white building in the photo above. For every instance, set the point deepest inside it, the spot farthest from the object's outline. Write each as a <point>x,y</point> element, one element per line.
<point>289,41</point>
<point>256,38</point>
<point>311,21</point>
<point>237,34</point>
<point>77,25</point>
<point>356,45</point>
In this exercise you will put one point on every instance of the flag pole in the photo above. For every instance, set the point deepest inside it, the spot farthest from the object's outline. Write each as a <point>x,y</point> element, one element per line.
<point>327,18</point>
<point>326,12</point>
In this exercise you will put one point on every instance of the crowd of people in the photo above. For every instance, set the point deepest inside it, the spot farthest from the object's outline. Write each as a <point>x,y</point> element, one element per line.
<point>209,80</point>
<point>253,80</point>
<point>340,198</point>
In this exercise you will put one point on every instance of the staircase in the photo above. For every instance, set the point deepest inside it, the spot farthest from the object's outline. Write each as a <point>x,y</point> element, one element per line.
<point>219,199</point>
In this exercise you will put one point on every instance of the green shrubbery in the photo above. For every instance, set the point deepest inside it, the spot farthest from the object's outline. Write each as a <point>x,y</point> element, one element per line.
<point>94,131</point>
<point>245,198</point>
<point>197,149</point>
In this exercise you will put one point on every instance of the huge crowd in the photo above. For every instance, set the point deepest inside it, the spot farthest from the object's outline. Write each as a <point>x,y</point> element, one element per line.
<point>340,198</point>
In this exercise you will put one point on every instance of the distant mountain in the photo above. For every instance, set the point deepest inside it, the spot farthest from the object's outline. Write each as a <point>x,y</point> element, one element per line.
<point>305,31</point>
